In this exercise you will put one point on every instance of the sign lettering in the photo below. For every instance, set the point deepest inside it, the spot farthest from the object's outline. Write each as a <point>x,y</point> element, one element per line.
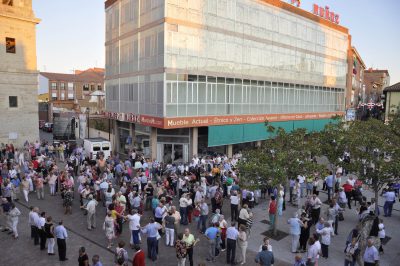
<point>325,13</point>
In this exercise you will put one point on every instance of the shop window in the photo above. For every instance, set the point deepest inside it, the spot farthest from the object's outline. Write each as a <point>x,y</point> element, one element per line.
<point>13,101</point>
<point>85,87</point>
<point>10,45</point>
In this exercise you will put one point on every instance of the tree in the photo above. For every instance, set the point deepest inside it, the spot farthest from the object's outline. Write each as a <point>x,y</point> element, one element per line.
<point>284,156</point>
<point>374,150</point>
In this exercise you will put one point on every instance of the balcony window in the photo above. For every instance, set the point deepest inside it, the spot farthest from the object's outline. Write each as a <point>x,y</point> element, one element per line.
<point>53,85</point>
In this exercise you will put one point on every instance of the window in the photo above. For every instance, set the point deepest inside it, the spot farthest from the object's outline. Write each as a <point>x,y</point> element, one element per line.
<point>85,87</point>
<point>62,86</point>
<point>53,85</point>
<point>62,96</point>
<point>99,87</point>
<point>13,101</point>
<point>54,96</point>
<point>92,87</point>
<point>10,45</point>
<point>70,96</point>
<point>70,85</point>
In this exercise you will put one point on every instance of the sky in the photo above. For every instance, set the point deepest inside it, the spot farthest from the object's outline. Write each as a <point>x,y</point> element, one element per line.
<point>71,33</point>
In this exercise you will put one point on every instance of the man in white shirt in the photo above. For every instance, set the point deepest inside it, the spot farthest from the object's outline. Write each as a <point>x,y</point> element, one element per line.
<point>33,219</point>
<point>302,184</point>
<point>231,236</point>
<point>91,212</point>
<point>313,252</point>
<point>42,234</point>
<point>390,198</point>
<point>134,226</point>
<point>234,206</point>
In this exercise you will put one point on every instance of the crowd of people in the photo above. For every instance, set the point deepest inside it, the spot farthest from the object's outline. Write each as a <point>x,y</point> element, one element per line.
<point>171,197</point>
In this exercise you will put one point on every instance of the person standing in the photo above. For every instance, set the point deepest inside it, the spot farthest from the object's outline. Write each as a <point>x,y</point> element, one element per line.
<point>295,229</point>
<point>272,208</point>
<point>329,180</point>
<point>134,226</point>
<point>109,228</point>
<point>14,214</point>
<point>231,238</point>
<point>351,253</point>
<point>91,212</point>
<point>25,188</point>
<point>49,230</point>
<point>121,255</point>
<point>312,252</point>
<point>151,230</point>
<point>381,234</point>
<point>371,254</point>
<point>390,198</point>
<point>39,187</point>
<point>96,260</point>
<point>265,257</point>
<point>169,224</point>
<point>183,203</point>
<point>33,220</point>
<point>242,243</point>
<point>138,257</point>
<point>316,204</point>
<point>211,233</point>
<point>190,243</point>
<point>203,216</point>
<point>42,234</point>
<point>326,234</point>
<point>61,235</point>
<point>83,258</point>
<point>234,206</point>
<point>181,250</point>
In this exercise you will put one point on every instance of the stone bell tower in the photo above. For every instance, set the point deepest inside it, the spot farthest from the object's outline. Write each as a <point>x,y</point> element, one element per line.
<point>18,72</point>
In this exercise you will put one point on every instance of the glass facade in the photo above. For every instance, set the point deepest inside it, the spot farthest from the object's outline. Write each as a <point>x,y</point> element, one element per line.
<point>173,58</point>
<point>192,95</point>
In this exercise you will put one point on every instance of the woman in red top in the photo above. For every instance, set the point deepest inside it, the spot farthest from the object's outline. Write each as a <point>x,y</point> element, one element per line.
<point>120,216</point>
<point>138,258</point>
<point>272,211</point>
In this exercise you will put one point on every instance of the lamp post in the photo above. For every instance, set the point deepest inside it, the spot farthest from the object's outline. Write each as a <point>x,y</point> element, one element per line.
<point>87,121</point>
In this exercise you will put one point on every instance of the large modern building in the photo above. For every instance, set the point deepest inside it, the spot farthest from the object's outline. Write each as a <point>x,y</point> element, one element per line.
<point>184,77</point>
<point>18,73</point>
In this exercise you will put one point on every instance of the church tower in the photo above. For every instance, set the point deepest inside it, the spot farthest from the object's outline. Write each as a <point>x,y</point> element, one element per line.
<point>18,73</point>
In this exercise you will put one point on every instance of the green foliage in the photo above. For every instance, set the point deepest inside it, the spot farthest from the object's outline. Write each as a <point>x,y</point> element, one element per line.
<point>285,156</point>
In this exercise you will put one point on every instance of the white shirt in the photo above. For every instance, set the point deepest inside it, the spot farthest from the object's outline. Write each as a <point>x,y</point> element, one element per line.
<point>33,216</point>
<point>40,222</point>
<point>301,179</point>
<point>183,202</point>
<point>134,222</point>
<point>313,252</point>
<point>381,233</point>
<point>91,206</point>
<point>234,200</point>
<point>326,234</point>
<point>351,181</point>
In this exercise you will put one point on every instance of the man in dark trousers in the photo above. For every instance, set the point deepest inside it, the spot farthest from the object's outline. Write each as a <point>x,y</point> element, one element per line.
<point>61,234</point>
<point>231,237</point>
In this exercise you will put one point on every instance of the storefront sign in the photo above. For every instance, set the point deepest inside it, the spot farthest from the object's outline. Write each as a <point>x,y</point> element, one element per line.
<point>296,2</point>
<point>325,13</point>
<point>203,121</point>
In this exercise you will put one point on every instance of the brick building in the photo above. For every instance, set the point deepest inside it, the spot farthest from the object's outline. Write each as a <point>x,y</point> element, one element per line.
<point>376,80</point>
<point>357,82</point>
<point>73,91</point>
<point>18,72</point>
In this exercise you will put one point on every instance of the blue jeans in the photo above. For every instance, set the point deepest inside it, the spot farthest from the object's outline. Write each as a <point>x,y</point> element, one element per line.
<point>152,248</point>
<point>329,192</point>
<point>202,224</point>
<point>302,188</point>
<point>387,208</point>
<point>135,237</point>
<point>183,213</point>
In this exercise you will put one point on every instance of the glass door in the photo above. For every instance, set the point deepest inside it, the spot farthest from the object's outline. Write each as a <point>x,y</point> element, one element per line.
<point>168,155</point>
<point>178,153</point>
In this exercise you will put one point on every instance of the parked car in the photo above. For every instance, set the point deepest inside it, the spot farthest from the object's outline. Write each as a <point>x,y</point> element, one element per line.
<point>48,127</point>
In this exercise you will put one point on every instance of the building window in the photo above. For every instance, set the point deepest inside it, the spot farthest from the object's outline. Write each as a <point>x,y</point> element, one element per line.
<point>53,85</point>
<point>70,85</point>
<point>54,96</point>
<point>62,96</point>
<point>99,87</point>
<point>62,86</point>
<point>8,2</point>
<point>13,101</point>
<point>85,87</point>
<point>92,87</point>
<point>10,45</point>
<point>70,96</point>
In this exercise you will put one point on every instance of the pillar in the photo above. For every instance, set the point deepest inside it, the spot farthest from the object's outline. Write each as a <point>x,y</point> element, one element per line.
<point>153,142</point>
<point>116,136</point>
<point>132,133</point>
<point>229,151</point>
<point>195,141</point>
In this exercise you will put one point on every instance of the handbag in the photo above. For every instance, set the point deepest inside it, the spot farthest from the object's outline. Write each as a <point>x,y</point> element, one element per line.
<point>340,216</point>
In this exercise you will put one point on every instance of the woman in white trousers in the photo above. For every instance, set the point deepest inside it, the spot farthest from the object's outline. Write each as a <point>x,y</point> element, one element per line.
<point>25,188</point>
<point>242,243</point>
<point>13,219</point>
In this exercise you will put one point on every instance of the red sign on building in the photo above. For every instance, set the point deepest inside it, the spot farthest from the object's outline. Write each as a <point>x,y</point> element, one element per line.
<point>325,13</point>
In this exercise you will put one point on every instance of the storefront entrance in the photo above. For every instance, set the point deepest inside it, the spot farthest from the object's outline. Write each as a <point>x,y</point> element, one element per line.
<point>172,152</point>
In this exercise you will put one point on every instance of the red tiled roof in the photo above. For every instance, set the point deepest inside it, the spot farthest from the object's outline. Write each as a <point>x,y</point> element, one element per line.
<point>90,75</point>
